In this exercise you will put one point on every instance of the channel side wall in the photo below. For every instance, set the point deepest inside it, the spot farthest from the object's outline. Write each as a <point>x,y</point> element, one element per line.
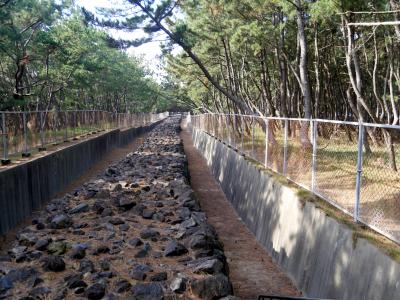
<point>28,186</point>
<point>320,254</point>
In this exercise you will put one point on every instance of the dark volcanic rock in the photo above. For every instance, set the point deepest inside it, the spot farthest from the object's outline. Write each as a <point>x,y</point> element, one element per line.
<point>101,250</point>
<point>27,239</point>
<point>17,275</point>
<point>83,207</point>
<point>162,276</point>
<point>99,206</point>
<point>137,275</point>
<point>86,266</point>
<point>60,222</point>
<point>207,265</point>
<point>148,291</point>
<point>95,291</point>
<point>126,203</point>
<point>122,286</point>
<point>144,251</point>
<point>78,253</point>
<point>41,245</point>
<point>212,287</point>
<point>53,263</point>
<point>143,268</point>
<point>75,280</point>
<point>40,226</point>
<point>39,292</point>
<point>149,233</point>
<point>147,214</point>
<point>135,242</point>
<point>116,221</point>
<point>175,249</point>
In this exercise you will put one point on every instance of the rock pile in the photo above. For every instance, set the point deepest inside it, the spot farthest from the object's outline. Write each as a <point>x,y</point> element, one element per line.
<point>134,232</point>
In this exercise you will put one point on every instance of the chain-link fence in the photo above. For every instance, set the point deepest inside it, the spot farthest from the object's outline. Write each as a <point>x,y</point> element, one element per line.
<point>25,132</point>
<point>354,166</point>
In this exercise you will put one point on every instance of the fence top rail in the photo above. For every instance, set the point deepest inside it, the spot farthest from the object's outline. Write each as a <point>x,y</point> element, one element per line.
<point>47,111</point>
<point>75,110</point>
<point>376,125</point>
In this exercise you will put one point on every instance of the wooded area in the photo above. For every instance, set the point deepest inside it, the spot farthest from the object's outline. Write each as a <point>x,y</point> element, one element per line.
<point>51,59</point>
<point>330,59</point>
<point>334,59</point>
<point>292,58</point>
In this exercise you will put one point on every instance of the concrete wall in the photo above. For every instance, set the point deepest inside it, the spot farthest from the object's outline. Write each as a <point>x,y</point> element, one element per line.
<point>316,251</point>
<point>126,136</point>
<point>28,186</point>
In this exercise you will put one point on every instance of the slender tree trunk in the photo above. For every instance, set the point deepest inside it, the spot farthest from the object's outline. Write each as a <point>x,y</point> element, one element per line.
<point>317,73</point>
<point>395,5</point>
<point>305,84</point>
<point>239,102</point>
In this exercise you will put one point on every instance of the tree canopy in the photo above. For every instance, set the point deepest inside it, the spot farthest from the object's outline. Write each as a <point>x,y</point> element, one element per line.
<point>294,58</point>
<point>51,58</point>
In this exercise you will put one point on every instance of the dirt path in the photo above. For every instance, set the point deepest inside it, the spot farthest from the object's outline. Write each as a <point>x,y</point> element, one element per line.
<point>251,270</point>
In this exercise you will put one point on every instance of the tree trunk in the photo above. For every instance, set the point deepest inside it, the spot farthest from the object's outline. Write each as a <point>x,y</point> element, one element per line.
<point>305,84</point>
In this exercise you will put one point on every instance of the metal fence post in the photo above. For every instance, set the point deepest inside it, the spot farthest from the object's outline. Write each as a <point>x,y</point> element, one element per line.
<point>359,171</point>
<point>42,148</point>
<point>74,126</point>
<point>26,149</point>
<point>266,141</point>
<point>252,136</point>
<point>285,147</point>
<point>234,130</point>
<point>5,160</point>
<point>242,134</point>
<point>314,127</point>
<point>227,139</point>
<point>212,124</point>
<point>220,127</point>
<point>66,126</point>
<point>216,125</point>
<point>228,116</point>
<point>55,127</point>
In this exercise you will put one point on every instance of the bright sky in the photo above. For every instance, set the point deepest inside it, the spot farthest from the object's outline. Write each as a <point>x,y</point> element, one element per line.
<point>149,51</point>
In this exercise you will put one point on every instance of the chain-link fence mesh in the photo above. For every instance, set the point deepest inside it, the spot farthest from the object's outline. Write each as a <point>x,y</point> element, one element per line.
<point>276,143</point>
<point>22,132</point>
<point>380,183</point>
<point>14,130</point>
<point>357,173</point>
<point>247,131</point>
<point>259,139</point>
<point>299,152</point>
<point>336,163</point>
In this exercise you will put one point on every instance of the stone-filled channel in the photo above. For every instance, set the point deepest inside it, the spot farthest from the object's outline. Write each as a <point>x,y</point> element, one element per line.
<point>135,231</point>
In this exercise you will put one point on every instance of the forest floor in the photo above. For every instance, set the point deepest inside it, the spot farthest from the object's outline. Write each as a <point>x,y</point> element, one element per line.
<point>251,270</point>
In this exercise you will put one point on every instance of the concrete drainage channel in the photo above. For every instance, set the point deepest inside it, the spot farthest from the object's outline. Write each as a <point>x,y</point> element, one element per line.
<point>28,186</point>
<point>316,251</point>
<point>133,232</point>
